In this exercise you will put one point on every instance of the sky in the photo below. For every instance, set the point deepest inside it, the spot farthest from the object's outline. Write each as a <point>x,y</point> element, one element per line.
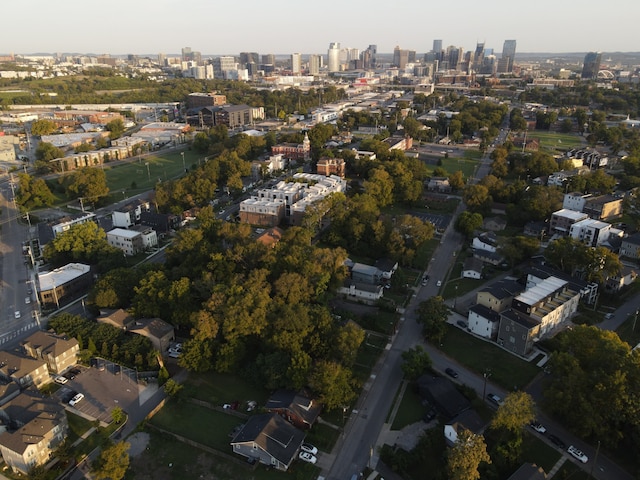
<point>216,27</point>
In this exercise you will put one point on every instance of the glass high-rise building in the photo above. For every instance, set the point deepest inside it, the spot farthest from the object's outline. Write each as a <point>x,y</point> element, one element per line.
<point>508,55</point>
<point>333,60</point>
<point>591,65</point>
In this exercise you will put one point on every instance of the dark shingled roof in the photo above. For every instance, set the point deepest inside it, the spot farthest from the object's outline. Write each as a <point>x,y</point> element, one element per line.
<point>273,434</point>
<point>443,395</point>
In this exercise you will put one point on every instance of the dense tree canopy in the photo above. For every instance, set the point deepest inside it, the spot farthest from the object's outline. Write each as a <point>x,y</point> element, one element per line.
<point>33,193</point>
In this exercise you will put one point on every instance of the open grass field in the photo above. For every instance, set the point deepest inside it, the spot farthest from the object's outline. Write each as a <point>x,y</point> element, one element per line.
<point>558,141</point>
<point>142,174</point>
<point>219,388</point>
<point>465,164</point>
<point>507,370</point>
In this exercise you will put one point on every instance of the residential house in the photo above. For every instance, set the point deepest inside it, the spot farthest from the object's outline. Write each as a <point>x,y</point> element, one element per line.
<point>399,143</point>
<point>536,313</point>
<point>158,331</point>
<point>537,273</point>
<point>331,166</point>
<point>134,240</point>
<point>492,258</point>
<point>8,391</point>
<point>528,471</point>
<point>297,408</point>
<point>271,237</point>
<point>561,221</point>
<point>23,370</point>
<point>33,427</point>
<point>486,241</point>
<point>359,291</point>
<point>63,283</point>
<point>439,184</point>
<point>386,267</point>
<point>129,214</point>
<point>472,268</point>
<point>262,168</point>
<point>483,321</point>
<point>269,439</point>
<point>47,231</point>
<point>363,273</point>
<point>602,207</point>
<point>467,420</point>
<point>119,318</point>
<point>162,223</point>
<point>498,295</point>
<point>590,232</point>
<point>443,395</point>
<point>59,351</point>
<point>630,246</point>
<point>494,224</point>
<point>263,212</point>
<point>625,278</point>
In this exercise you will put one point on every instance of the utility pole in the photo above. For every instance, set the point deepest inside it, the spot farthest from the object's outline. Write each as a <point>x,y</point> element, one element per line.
<point>486,374</point>
<point>635,319</point>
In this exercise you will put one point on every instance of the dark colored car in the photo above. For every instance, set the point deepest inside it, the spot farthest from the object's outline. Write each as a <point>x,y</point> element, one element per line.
<point>75,371</point>
<point>462,324</point>
<point>69,375</point>
<point>451,372</point>
<point>556,441</point>
<point>430,415</point>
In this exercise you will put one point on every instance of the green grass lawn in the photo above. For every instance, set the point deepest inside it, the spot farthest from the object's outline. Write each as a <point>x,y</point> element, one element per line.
<point>466,164</point>
<point>77,426</point>
<point>219,388</point>
<point>200,424</point>
<point>627,332</point>
<point>324,437</point>
<point>557,141</point>
<point>507,370</point>
<point>410,410</point>
<point>135,177</point>
<point>188,463</point>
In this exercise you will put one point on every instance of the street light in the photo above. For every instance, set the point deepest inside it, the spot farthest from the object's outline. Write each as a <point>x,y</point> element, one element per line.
<point>183,164</point>
<point>486,374</point>
<point>148,172</point>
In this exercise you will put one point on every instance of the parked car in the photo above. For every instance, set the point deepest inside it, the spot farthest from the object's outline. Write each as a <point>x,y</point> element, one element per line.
<point>76,371</point>
<point>76,399</point>
<point>538,427</point>
<point>451,372</point>
<point>557,441</point>
<point>577,454</point>
<point>462,323</point>
<point>69,375</point>
<point>439,283</point>
<point>17,314</point>
<point>430,415</point>
<point>27,300</point>
<point>307,457</point>
<point>495,399</point>
<point>307,447</point>
<point>60,379</point>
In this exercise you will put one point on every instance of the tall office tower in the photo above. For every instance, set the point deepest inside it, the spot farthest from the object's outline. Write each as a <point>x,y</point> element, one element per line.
<point>314,64</point>
<point>161,59</point>
<point>400,57</point>
<point>333,57</point>
<point>505,65</point>
<point>224,67</point>
<point>268,59</point>
<point>453,58</point>
<point>478,57</point>
<point>353,54</point>
<point>186,54</point>
<point>373,51</point>
<point>249,57</point>
<point>591,65</point>
<point>296,63</point>
<point>411,56</point>
<point>437,49</point>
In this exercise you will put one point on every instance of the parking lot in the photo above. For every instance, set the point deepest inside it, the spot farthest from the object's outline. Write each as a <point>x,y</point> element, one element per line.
<point>104,389</point>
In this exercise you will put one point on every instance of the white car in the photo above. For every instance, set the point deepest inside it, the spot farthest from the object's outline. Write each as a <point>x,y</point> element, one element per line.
<point>307,447</point>
<point>538,427</point>
<point>578,454</point>
<point>60,379</point>
<point>439,283</point>
<point>75,400</point>
<point>17,314</point>
<point>27,300</point>
<point>307,457</point>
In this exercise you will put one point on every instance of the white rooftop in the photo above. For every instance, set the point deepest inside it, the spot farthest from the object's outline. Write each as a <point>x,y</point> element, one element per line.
<point>62,275</point>
<point>565,212</point>
<point>123,232</point>
<point>542,290</point>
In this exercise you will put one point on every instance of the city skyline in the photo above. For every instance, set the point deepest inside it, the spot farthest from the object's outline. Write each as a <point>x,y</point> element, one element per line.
<point>148,27</point>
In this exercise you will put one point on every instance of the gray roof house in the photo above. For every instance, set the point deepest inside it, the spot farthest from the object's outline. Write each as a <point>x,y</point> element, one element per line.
<point>270,439</point>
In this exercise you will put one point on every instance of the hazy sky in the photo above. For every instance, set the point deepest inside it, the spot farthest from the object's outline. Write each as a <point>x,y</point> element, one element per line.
<point>286,26</point>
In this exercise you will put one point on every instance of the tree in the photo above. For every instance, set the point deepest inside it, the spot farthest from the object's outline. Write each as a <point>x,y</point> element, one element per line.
<point>172,388</point>
<point>90,183</point>
<point>333,383</point>
<point>33,192</point>
<point>456,180</point>
<point>517,411</point>
<point>433,314</point>
<point>467,223</point>
<point>466,455</point>
<point>115,128</point>
<point>118,415</point>
<point>477,198</point>
<point>415,362</point>
<point>112,463</point>
<point>43,126</point>
<point>47,151</point>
